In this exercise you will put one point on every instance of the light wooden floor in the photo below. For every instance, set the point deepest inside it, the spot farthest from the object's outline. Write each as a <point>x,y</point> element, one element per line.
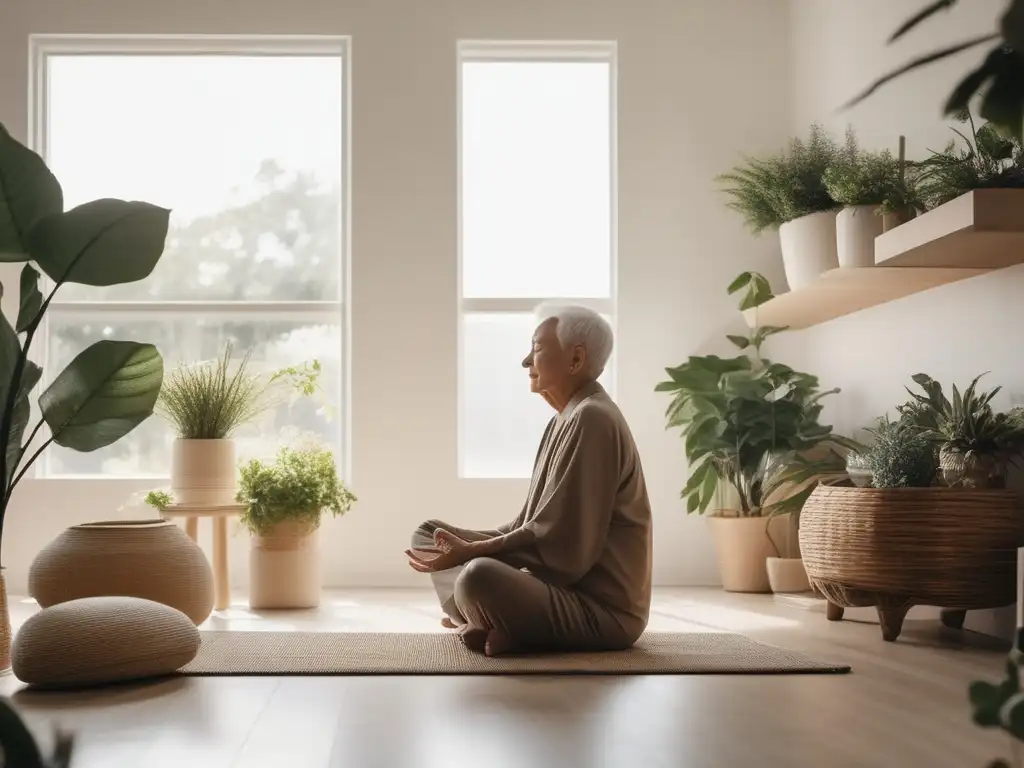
<point>905,703</point>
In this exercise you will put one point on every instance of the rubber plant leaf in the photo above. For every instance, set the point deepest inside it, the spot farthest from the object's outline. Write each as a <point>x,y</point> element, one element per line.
<point>28,193</point>
<point>16,741</point>
<point>22,412</point>
<point>31,300</point>
<point>103,394</point>
<point>101,243</point>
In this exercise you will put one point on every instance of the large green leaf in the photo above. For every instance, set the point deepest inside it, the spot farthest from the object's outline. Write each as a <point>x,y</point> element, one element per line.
<point>31,299</point>
<point>16,741</point>
<point>103,242</point>
<point>103,394</point>
<point>28,192</point>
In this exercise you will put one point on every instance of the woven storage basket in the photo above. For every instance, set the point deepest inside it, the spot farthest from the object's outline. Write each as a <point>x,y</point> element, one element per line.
<point>895,548</point>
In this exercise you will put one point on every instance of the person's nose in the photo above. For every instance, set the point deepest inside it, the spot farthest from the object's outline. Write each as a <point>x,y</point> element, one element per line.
<point>528,360</point>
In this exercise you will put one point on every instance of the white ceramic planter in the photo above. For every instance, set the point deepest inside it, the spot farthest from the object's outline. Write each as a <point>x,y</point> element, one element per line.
<point>809,248</point>
<point>284,568</point>
<point>787,575</point>
<point>856,230</point>
<point>203,472</point>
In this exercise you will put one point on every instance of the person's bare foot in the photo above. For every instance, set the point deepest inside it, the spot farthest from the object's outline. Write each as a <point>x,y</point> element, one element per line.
<point>447,623</point>
<point>474,639</point>
<point>497,643</point>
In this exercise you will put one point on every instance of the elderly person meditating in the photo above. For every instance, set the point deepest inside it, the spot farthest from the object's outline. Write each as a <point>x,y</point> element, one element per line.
<point>573,570</point>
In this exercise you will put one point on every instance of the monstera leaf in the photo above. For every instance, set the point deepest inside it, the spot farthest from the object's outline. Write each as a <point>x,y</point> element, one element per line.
<point>28,193</point>
<point>103,242</point>
<point>103,394</point>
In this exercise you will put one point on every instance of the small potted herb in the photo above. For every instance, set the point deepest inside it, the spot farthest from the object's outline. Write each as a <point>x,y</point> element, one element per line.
<point>285,501</point>
<point>787,192</point>
<point>877,191</point>
<point>206,403</point>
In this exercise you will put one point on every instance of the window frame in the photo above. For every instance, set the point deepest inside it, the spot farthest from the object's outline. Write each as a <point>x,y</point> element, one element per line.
<point>468,51</point>
<point>44,46</point>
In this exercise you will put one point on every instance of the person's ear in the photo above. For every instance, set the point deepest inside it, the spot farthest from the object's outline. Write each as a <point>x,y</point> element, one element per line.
<point>579,360</point>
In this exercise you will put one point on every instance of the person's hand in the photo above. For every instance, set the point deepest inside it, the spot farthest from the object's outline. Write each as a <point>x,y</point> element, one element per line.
<point>450,552</point>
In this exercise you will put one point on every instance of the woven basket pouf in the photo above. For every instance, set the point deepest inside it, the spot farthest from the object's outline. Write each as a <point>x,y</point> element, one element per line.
<point>150,559</point>
<point>894,548</point>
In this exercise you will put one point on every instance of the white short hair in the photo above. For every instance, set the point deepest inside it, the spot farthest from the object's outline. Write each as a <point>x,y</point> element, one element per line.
<point>581,325</point>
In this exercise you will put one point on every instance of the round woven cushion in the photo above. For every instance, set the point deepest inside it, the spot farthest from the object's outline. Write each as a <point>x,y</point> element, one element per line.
<point>151,559</point>
<point>99,640</point>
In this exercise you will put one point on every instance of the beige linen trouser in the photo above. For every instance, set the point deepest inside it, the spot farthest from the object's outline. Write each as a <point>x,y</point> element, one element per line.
<point>488,594</point>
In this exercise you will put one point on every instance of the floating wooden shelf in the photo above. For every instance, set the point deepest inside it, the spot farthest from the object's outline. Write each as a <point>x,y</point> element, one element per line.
<point>983,229</point>
<point>974,234</point>
<point>844,291</point>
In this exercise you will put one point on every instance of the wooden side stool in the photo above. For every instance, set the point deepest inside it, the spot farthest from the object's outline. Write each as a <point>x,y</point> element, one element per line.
<point>219,514</point>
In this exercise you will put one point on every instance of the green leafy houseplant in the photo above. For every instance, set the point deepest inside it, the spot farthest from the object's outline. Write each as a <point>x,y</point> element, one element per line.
<point>999,78</point>
<point>770,191</point>
<point>975,443</point>
<point>299,486</point>
<point>986,160</point>
<point>112,386</point>
<point>857,178</point>
<point>207,401</point>
<point>900,457</point>
<point>749,423</point>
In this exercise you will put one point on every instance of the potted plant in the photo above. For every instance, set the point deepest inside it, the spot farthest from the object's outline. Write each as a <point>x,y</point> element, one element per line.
<point>112,386</point>
<point>206,403</point>
<point>986,159</point>
<point>787,192</point>
<point>877,194</point>
<point>750,426</point>
<point>975,443</point>
<point>284,503</point>
<point>908,540</point>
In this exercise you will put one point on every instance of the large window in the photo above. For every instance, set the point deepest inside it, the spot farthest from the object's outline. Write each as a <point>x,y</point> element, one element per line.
<point>245,143</point>
<point>537,222</point>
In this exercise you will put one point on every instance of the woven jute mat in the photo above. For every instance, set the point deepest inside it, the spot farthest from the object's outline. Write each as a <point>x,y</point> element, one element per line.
<point>382,653</point>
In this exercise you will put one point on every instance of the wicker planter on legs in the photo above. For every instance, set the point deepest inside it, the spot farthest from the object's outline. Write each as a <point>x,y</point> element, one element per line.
<point>894,548</point>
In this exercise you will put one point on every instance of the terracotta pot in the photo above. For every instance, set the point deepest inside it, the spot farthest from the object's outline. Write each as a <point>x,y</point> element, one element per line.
<point>284,567</point>
<point>786,575</point>
<point>809,248</point>
<point>150,559</point>
<point>743,548</point>
<point>856,230</point>
<point>204,472</point>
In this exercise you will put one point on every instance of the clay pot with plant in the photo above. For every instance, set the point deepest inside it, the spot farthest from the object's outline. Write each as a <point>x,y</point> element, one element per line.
<point>751,428</point>
<point>285,501</point>
<point>877,191</point>
<point>207,403</point>
<point>787,192</point>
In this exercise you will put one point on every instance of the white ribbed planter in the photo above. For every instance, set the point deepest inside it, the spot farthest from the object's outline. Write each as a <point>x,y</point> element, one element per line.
<point>786,575</point>
<point>809,248</point>
<point>856,230</point>
<point>204,472</point>
<point>284,568</point>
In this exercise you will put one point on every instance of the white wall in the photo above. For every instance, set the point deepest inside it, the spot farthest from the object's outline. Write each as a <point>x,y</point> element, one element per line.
<point>698,80</point>
<point>954,332</point>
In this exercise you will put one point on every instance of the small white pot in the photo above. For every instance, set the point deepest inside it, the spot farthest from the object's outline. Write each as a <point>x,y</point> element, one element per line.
<point>203,472</point>
<point>284,568</point>
<point>787,575</point>
<point>809,248</point>
<point>856,230</point>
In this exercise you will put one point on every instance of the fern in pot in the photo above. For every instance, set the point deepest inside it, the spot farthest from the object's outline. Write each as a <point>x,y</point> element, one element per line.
<point>787,192</point>
<point>877,191</point>
<point>752,431</point>
<point>285,501</point>
<point>207,403</point>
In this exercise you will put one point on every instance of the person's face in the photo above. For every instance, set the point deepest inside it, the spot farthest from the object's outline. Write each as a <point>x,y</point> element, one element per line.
<point>551,368</point>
